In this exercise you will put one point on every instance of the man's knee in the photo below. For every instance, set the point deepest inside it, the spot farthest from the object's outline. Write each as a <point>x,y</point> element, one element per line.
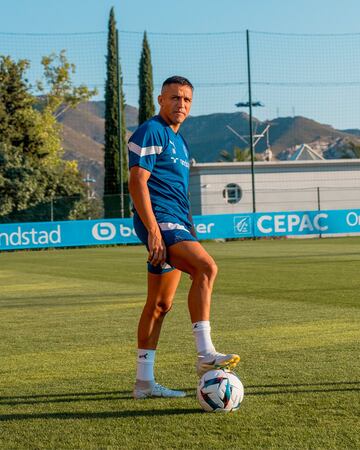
<point>211,270</point>
<point>160,308</point>
<point>163,307</point>
<point>207,271</point>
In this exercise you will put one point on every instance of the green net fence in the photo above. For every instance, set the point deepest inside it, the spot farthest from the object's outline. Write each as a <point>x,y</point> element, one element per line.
<point>305,89</point>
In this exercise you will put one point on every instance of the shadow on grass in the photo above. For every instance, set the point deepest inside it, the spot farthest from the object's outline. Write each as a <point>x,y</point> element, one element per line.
<point>251,390</point>
<point>70,397</point>
<point>262,389</point>
<point>65,300</point>
<point>100,415</point>
<point>304,388</point>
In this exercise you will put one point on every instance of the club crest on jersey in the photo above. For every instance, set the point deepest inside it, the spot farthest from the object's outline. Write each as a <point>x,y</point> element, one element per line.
<point>173,149</point>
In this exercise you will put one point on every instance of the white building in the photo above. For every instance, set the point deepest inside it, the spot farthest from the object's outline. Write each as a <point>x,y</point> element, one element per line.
<point>226,188</point>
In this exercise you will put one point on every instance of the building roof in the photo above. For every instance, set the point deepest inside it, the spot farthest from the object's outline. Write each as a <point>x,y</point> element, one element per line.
<point>305,153</point>
<point>273,166</point>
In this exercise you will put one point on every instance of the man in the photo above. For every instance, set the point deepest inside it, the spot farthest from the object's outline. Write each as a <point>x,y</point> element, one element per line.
<point>158,184</point>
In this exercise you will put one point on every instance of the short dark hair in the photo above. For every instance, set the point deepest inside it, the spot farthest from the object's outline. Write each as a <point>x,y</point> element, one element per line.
<point>176,79</point>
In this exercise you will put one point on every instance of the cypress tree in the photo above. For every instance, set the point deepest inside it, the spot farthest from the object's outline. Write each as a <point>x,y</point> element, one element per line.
<point>113,171</point>
<point>146,101</point>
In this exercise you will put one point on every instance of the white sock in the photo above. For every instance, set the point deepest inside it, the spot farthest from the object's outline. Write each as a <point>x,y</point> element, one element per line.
<point>201,331</point>
<point>145,365</point>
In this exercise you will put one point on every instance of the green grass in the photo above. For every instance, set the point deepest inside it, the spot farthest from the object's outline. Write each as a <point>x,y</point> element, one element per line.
<point>68,348</point>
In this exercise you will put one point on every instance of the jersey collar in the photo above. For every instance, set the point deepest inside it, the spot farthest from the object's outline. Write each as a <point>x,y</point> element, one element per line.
<point>162,121</point>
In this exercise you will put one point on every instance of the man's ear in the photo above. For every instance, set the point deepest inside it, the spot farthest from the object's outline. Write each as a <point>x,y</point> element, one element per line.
<point>160,99</point>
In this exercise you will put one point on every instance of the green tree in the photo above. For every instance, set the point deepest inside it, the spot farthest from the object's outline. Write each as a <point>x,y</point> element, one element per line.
<point>355,149</point>
<point>19,122</point>
<point>146,88</point>
<point>238,155</point>
<point>115,137</point>
<point>345,149</point>
<point>59,93</point>
<point>32,172</point>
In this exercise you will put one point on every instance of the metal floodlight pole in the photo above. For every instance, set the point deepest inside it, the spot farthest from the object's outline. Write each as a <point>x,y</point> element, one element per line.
<point>119,125</point>
<point>52,209</point>
<point>250,123</point>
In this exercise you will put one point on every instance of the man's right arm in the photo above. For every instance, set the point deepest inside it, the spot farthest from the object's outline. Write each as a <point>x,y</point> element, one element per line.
<point>140,195</point>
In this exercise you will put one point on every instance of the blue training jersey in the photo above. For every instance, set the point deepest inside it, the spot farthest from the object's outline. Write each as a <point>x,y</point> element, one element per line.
<point>154,146</point>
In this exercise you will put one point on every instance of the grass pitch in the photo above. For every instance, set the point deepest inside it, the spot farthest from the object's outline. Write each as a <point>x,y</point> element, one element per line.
<point>68,348</point>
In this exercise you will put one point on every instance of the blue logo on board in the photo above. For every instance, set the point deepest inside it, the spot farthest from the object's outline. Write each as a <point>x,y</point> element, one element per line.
<point>242,224</point>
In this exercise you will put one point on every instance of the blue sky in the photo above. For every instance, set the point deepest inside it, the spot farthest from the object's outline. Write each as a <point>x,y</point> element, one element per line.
<point>292,75</point>
<point>303,16</point>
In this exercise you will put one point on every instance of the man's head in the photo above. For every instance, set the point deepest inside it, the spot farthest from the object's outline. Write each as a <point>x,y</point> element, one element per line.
<point>175,100</point>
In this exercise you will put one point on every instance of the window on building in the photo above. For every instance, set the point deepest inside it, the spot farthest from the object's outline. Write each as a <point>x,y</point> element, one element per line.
<point>232,193</point>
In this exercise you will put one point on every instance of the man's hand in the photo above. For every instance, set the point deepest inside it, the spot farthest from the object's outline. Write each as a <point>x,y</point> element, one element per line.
<point>157,249</point>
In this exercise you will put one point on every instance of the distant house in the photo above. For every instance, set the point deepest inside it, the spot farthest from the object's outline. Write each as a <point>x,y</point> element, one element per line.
<point>305,153</point>
<point>226,188</point>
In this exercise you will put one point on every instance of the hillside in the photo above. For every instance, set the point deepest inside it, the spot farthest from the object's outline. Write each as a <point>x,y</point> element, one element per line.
<point>83,138</point>
<point>355,132</point>
<point>207,135</point>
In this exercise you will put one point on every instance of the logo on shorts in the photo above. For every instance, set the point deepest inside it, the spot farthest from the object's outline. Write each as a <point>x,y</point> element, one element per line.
<point>242,224</point>
<point>104,231</point>
<point>145,355</point>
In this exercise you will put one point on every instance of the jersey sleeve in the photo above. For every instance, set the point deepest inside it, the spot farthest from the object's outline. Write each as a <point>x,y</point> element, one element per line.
<point>144,146</point>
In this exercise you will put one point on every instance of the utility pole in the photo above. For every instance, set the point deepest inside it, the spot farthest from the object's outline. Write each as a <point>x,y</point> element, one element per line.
<point>250,123</point>
<point>119,126</point>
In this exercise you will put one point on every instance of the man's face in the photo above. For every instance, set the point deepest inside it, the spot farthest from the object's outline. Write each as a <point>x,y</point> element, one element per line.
<point>175,103</point>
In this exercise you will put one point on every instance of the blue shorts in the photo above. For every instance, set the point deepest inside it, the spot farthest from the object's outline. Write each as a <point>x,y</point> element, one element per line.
<point>172,233</point>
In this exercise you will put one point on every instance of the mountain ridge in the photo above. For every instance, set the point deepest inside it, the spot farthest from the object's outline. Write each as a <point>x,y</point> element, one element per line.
<point>207,136</point>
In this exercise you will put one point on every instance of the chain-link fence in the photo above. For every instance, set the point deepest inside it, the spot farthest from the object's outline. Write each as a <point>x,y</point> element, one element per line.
<point>217,198</point>
<point>229,198</point>
<point>314,76</point>
<point>305,90</point>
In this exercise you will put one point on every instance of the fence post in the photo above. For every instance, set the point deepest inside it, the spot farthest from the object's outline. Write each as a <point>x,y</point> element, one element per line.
<point>318,204</point>
<point>250,122</point>
<point>119,125</point>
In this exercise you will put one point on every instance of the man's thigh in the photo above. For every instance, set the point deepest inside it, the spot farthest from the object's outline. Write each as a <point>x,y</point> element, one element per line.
<point>189,256</point>
<point>162,287</point>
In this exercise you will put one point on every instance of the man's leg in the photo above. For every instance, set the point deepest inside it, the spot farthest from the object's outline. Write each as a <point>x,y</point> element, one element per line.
<point>161,291</point>
<point>192,258</point>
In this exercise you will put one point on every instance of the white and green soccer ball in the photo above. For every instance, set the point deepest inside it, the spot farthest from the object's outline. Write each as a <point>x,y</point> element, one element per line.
<point>220,391</point>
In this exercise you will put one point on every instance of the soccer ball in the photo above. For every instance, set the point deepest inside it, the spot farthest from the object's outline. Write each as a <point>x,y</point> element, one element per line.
<point>220,391</point>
